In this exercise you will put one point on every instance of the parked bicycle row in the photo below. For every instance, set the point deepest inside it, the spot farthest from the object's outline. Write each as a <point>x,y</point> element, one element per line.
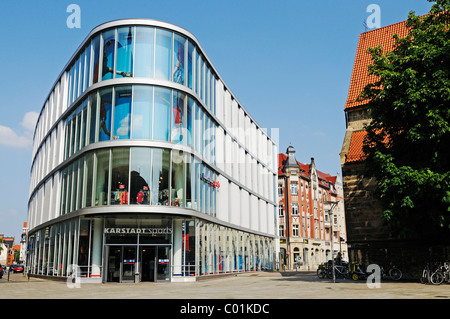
<point>357,271</point>
<point>436,273</point>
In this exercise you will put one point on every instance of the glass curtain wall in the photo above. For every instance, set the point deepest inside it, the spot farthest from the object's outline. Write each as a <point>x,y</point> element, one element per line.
<point>53,250</point>
<point>138,176</point>
<point>225,250</point>
<point>140,112</point>
<point>62,249</point>
<point>205,248</point>
<point>139,51</point>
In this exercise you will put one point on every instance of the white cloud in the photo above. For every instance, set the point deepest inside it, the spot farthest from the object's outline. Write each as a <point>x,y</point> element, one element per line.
<point>12,139</point>
<point>29,121</point>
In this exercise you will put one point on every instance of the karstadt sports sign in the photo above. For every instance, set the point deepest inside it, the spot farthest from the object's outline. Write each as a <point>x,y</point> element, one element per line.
<point>140,230</point>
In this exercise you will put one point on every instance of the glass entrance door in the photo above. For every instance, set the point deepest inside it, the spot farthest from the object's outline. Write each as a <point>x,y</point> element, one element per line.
<point>121,263</point>
<point>147,262</point>
<point>163,273</point>
<point>114,264</point>
<point>154,263</point>
<point>128,263</point>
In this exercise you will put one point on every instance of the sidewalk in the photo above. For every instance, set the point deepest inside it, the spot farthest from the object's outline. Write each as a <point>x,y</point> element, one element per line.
<point>260,285</point>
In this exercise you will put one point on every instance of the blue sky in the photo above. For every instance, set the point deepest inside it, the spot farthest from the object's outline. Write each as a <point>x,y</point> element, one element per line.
<point>288,62</point>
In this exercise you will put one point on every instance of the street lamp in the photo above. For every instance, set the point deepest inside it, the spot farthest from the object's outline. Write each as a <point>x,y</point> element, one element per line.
<point>333,205</point>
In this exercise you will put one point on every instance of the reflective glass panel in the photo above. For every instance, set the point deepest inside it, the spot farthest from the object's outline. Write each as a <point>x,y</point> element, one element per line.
<point>161,123</point>
<point>81,75</point>
<point>102,177</point>
<point>77,131</point>
<point>108,54</point>
<point>122,110</point>
<point>87,67</point>
<point>92,118</point>
<point>160,177</point>
<point>189,65</point>
<point>80,182</point>
<point>189,110</point>
<point>142,112</point>
<point>198,73</point>
<point>63,190</point>
<point>197,183</point>
<point>203,193</point>
<point>198,128</point>
<point>87,202</point>
<point>95,59</point>
<point>83,125</point>
<point>104,125</point>
<point>119,175</point>
<point>70,85</point>
<point>75,80</point>
<point>144,55</point>
<point>177,179</point>
<point>189,180</point>
<point>124,66</point>
<point>163,54</point>
<point>140,175</point>
<point>178,117</point>
<point>178,74</point>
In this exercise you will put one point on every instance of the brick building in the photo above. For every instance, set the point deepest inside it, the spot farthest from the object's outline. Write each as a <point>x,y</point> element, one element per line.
<point>310,227</point>
<point>369,238</point>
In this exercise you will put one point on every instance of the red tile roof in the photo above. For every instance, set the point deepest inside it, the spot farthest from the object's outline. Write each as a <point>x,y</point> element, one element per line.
<point>360,78</point>
<point>355,152</point>
<point>304,170</point>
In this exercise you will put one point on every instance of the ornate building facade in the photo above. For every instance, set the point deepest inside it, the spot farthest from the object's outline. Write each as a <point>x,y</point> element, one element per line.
<point>310,213</point>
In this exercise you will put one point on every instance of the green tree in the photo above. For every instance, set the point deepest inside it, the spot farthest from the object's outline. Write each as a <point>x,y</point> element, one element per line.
<point>408,137</point>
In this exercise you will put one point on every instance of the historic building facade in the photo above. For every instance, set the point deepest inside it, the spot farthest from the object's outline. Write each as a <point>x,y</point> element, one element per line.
<point>369,238</point>
<point>311,214</point>
<point>363,210</point>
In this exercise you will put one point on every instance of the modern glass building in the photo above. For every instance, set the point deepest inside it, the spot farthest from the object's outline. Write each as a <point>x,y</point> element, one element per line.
<point>146,167</point>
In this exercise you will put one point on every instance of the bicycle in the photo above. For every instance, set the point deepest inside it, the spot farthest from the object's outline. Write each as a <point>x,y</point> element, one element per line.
<point>322,271</point>
<point>393,272</point>
<point>440,274</point>
<point>340,271</point>
<point>426,274</point>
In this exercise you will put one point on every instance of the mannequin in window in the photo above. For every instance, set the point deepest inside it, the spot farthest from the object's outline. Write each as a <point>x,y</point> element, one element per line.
<point>124,197</point>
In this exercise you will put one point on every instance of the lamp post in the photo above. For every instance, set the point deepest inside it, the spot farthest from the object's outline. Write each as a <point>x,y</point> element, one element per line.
<point>333,205</point>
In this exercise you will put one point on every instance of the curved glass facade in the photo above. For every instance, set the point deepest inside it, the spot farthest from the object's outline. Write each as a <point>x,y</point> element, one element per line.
<point>140,112</point>
<point>142,52</point>
<point>138,176</point>
<point>145,167</point>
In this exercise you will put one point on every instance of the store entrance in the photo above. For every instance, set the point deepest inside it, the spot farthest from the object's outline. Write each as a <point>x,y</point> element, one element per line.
<point>121,263</point>
<point>148,263</point>
<point>151,262</point>
<point>154,263</point>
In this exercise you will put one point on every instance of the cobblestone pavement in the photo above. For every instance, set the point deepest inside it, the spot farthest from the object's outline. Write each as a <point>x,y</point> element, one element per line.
<point>260,285</point>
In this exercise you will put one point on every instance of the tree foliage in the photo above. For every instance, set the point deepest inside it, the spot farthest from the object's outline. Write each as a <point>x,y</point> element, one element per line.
<point>408,137</point>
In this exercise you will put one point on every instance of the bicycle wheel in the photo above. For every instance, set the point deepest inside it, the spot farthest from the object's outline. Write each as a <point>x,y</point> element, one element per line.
<point>395,274</point>
<point>329,273</point>
<point>437,278</point>
<point>321,273</point>
<point>424,279</point>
